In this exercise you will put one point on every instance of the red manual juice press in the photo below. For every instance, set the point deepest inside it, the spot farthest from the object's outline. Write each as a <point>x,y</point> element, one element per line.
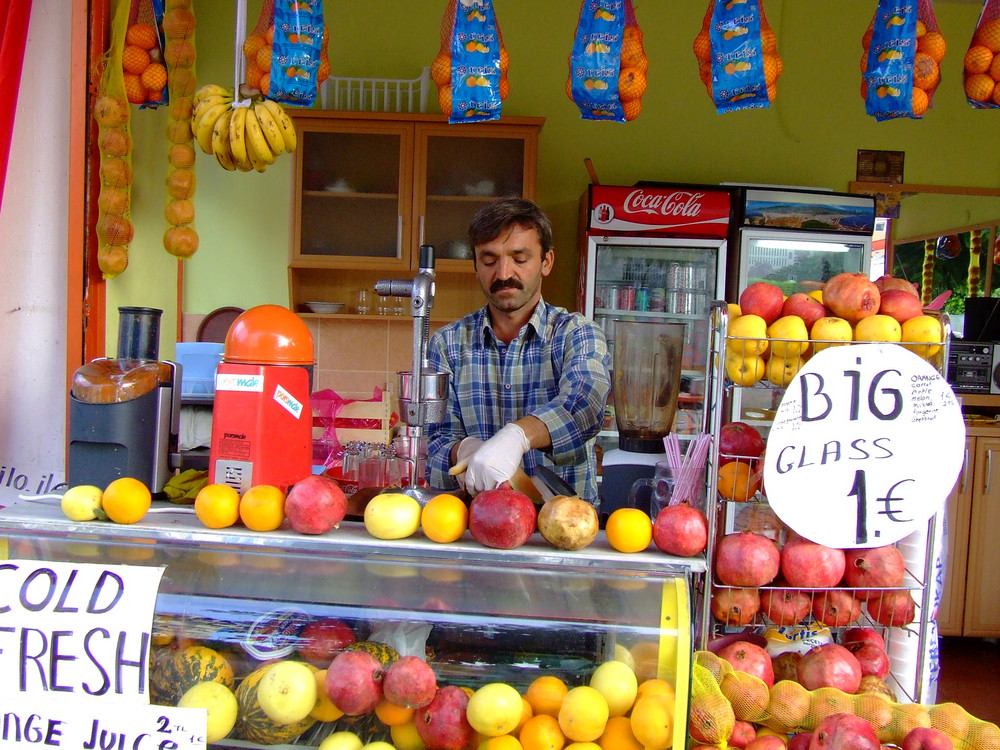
<point>261,417</point>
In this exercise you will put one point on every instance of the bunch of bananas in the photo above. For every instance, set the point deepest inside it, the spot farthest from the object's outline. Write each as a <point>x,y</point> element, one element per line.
<point>245,135</point>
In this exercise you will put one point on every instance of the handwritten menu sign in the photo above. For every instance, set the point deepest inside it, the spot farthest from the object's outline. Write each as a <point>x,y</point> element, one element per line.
<point>865,446</point>
<point>74,660</point>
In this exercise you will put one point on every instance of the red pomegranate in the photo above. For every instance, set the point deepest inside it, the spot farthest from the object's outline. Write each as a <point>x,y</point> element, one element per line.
<point>873,660</point>
<point>735,606</point>
<point>887,283</point>
<point>739,439</point>
<point>830,665</point>
<point>863,634</point>
<point>836,608</point>
<point>785,606</point>
<point>851,296</point>
<point>809,565</point>
<point>844,732</point>
<point>750,658</point>
<point>873,568</point>
<point>893,608</point>
<point>746,559</point>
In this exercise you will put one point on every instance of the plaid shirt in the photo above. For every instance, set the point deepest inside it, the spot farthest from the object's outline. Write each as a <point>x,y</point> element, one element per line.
<point>556,370</point>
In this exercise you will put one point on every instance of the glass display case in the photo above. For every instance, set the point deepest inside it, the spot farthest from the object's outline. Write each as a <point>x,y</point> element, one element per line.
<point>477,615</point>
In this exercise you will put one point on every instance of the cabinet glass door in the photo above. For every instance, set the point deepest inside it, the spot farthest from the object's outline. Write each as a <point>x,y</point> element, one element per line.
<point>353,196</point>
<point>462,173</point>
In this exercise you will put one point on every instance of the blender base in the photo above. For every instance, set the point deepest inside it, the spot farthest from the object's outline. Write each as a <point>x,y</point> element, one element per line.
<point>621,469</point>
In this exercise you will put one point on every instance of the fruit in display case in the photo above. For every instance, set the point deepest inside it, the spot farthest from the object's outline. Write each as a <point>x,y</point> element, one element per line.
<point>442,723</point>
<point>829,665</point>
<point>409,682</point>
<point>925,334</point>
<point>392,515</point>
<point>808,565</point>
<point>568,522</point>
<point>836,608</point>
<point>900,305</point>
<point>851,296</point>
<point>680,530</point>
<point>315,505</point>
<point>878,328</point>
<point>844,731</point>
<point>502,518</point>
<point>253,724</point>
<point>746,559</point>
<point>175,671</point>
<point>873,660</point>
<point>762,299</point>
<point>785,606</point>
<point>321,640</point>
<point>863,635</point>
<point>830,331</point>
<point>287,691</point>
<point>494,709</point>
<point>789,337</point>
<point>749,658</point>
<point>735,606</point>
<point>220,704</point>
<point>893,608</point>
<point>739,439</point>
<point>354,682</point>
<point>805,307</point>
<point>873,568</point>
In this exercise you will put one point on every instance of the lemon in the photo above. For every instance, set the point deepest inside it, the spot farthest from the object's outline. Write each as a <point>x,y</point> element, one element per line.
<point>220,703</point>
<point>404,737</point>
<point>583,714</point>
<point>653,721</point>
<point>83,503</point>
<point>378,745</point>
<point>494,709</point>
<point>392,516</point>
<point>341,741</point>
<point>622,654</point>
<point>616,681</point>
<point>582,746</point>
<point>503,742</point>
<point>287,692</point>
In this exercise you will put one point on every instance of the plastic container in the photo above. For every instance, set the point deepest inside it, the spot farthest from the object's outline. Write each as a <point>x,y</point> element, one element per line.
<point>376,94</point>
<point>139,333</point>
<point>198,361</point>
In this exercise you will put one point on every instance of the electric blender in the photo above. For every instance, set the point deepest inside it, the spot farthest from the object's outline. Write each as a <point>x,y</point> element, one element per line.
<point>422,398</point>
<point>645,384</point>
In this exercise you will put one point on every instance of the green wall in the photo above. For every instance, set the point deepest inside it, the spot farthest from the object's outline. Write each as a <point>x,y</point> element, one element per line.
<point>808,137</point>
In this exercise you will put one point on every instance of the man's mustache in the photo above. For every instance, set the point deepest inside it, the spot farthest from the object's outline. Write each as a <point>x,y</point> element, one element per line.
<point>496,286</point>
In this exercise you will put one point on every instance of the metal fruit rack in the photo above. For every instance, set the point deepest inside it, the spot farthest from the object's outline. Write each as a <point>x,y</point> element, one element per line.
<point>723,398</point>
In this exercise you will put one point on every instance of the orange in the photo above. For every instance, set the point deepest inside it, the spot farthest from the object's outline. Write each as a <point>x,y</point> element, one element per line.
<point>444,99</point>
<point>988,35</point>
<point>178,23</point>
<point>269,34</point>
<point>646,657</point>
<point>920,101</point>
<point>504,87</point>
<point>262,508</point>
<point>629,530</point>
<point>977,59</point>
<point>703,47</point>
<point>618,735</point>
<point>655,685</point>
<point>545,695</point>
<point>933,44</point>
<point>253,75</point>
<point>526,713</point>
<point>768,41</point>
<point>115,172</point>
<point>772,68</point>
<point>181,183</point>
<point>263,58</point>
<point>631,84</point>
<point>182,242</point>
<point>141,35</point>
<point>178,53</point>
<point>979,87</point>
<point>179,212</point>
<point>252,45</point>
<point>179,132</point>
<point>738,481</point>
<point>323,71</point>
<point>921,29</point>
<point>633,54</point>
<point>126,500</point>
<point>444,518</point>
<point>182,82</point>
<point>135,92</point>
<point>265,84</point>
<point>217,505</point>
<point>110,112</point>
<point>154,77</point>
<point>996,95</point>
<point>501,742</point>
<point>113,200</point>
<point>995,68</point>
<point>504,60</point>
<point>632,109</point>
<point>392,715</point>
<point>542,732</point>
<point>114,230</point>
<point>324,710</point>
<point>112,260</point>
<point>926,72</point>
<point>134,59</point>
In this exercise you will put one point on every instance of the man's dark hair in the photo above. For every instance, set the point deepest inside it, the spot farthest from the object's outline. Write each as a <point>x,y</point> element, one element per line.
<point>502,214</point>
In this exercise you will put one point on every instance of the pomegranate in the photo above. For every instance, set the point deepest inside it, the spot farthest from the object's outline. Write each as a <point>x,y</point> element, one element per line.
<point>354,682</point>
<point>763,299</point>
<point>900,305</point>
<point>808,565</point>
<point>409,682</point>
<point>800,741</point>
<point>926,738</point>
<point>786,666</point>
<point>803,306</point>
<point>873,660</point>
<point>844,732</point>
<point>680,530</point>
<point>830,665</point>
<point>735,606</point>
<point>851,296</point>
<point>750,658</point>
<point>442,724</point>
<point>852,635</point>
<point>746,559</point>
<point>315,505</point>
<point>836,608</point>
<point>321,640</point>
<point>739,439</point>
<point>887,283</point>
<point>785,606</point>
<point>873,568</point>
<point>502,518</point>
<point>893,608</point>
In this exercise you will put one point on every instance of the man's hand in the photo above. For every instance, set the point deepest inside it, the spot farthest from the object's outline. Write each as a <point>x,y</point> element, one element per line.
<point>496,460</point>
<point>466,448</point>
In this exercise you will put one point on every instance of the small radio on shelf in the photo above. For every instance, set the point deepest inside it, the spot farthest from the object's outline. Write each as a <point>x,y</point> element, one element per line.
<point>972,366</point>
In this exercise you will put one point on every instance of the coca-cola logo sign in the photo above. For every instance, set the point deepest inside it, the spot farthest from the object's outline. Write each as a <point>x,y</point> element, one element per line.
<point>677,203</point>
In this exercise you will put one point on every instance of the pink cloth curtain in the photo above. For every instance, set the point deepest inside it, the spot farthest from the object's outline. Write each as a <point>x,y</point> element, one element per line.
<point>14,15</point>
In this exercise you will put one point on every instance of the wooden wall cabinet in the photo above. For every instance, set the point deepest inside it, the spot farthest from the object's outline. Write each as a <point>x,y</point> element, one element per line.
<point>969,604</point>
<point>369,189</point>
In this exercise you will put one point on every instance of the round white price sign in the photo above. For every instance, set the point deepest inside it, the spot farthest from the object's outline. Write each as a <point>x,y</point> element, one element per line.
<point>865,446</point>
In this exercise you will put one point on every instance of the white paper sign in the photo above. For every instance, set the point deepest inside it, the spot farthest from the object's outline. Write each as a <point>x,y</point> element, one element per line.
<point>78,630</point>
<point>63,722</point>
<point>865,446</point>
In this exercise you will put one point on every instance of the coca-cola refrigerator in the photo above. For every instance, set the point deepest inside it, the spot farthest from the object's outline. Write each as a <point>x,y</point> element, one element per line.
<point>656,253</point>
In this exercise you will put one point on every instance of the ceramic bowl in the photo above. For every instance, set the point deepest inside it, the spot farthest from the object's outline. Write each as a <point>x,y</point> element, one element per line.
<point>326,308</point>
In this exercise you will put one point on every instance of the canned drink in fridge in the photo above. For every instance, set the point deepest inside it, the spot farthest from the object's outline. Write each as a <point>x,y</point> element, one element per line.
<point>611,297</point>
<point>626,298</point>
<point>656,299</point>
<point>674,275</point>
<point>700,277</point>
<point>642,299</point>
<point>601,296</point>
<point>686,276</point>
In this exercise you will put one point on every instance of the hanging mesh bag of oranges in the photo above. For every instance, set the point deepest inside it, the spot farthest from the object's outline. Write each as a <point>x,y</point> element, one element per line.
<point>982,60</point>
<point>470,68</point>
<point>608,64</point>
<point>114,141</point>
<point>287,52</point>
<point>901,63</point>
<point>737,53</point>
<point>143,69</point>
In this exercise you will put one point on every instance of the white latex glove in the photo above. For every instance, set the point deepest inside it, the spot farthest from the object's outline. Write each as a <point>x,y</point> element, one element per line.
<point>466,448</point>
<point>496,460</point>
